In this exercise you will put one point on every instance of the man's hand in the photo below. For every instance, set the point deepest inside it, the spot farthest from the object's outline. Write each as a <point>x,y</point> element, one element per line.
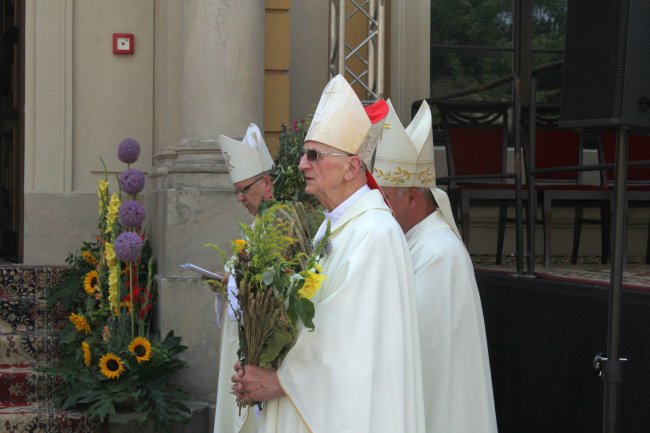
<point>251,383</point>
<point>216,285</point>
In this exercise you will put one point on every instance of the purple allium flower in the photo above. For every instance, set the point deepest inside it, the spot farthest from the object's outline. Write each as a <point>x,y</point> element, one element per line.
<point>128,151</point>
<point>131,181</point>
<point>128,246</point>
<point>131,213</point>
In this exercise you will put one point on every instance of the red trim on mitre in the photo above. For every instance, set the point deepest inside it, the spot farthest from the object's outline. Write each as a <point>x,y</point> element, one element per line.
<point>377,111</point>
<point>372,184</point>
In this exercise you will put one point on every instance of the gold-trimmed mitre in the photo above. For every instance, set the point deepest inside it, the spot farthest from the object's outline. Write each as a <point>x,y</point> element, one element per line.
<point>342,122</point>
<point>404,157</point>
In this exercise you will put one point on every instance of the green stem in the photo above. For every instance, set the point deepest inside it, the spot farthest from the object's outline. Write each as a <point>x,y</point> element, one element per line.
<point>132,301</point>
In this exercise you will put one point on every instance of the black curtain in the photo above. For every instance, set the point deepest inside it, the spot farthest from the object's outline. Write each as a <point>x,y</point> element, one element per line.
<point>542,336</point>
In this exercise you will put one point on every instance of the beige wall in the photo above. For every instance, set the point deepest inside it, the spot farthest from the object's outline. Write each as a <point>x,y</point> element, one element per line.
<point>81,100</point>
<point>112,94</point>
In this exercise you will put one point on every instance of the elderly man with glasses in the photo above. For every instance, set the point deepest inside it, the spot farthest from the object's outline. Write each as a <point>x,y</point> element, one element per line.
<point>359,370</point>
<point>248,162</point>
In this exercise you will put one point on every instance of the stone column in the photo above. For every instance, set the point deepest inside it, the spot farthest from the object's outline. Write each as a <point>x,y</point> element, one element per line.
<point>209,64</point>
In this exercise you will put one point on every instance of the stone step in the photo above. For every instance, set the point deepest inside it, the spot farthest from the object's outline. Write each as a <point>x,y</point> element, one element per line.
<point>29,349</point>
<point>20,386</point>
<point>45,418</point>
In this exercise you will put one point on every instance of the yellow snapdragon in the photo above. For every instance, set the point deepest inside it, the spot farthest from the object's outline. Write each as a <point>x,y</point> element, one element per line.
<point>113,289</point>
<point>113,208</point>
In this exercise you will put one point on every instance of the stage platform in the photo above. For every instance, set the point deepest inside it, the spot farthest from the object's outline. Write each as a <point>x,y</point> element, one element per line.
<point>543,333</point>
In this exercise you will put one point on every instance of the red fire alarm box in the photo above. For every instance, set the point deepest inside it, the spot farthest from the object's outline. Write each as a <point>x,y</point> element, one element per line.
<point>122,43</point>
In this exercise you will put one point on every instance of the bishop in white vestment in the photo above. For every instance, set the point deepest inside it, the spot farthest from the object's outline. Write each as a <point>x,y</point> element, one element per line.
<point>248,163</point>
<point>359,370</point>
<point>455,365</point>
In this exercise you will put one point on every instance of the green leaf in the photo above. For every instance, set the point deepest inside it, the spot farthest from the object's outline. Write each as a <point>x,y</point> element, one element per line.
<point>305,310</point>
<point>268,276</point>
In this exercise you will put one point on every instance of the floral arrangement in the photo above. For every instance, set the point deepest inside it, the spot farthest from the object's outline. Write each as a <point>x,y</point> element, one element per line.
<point>276,269</point>
<point>288,180</point>
<point>108,354</point>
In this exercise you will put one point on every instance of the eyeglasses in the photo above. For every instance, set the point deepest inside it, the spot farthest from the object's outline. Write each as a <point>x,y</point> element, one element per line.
<point>315,155</point>
<point>244,190</point>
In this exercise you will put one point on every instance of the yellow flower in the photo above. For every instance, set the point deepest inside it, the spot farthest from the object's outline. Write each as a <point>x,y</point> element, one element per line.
<point>109,254</point>
<point>113,208</point>
<point>239,245</point>
<point>90,282</point>
<point>88,257</point>
<point>312,284</point>
<point>111,365</point>
<point>113,288</point>
<point>102,192</point>
<point>141,348</point>
<point>87,354</point>
<point>103,188</point>
<point>80,323</point>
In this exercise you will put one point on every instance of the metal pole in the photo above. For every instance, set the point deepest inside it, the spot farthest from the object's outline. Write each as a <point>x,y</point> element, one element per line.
<point>517,163</point>
<point>531,217</point>
<point>340,55</point>
<point>380,49</point>
<point>613,377</point>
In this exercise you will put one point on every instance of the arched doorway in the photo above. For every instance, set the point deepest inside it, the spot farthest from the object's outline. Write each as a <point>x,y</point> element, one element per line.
<point>11,128</point>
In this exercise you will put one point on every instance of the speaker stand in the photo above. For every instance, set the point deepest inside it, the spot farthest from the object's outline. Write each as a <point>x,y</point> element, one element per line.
<point>610,367</point>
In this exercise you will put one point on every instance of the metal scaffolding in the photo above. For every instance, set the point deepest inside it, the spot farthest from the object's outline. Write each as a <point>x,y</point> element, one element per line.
<point>371,76</point>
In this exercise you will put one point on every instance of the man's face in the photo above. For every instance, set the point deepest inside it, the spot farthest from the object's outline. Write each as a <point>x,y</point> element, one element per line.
<point>326,173</point>
<point>399,201</point>
<point>251,191</point>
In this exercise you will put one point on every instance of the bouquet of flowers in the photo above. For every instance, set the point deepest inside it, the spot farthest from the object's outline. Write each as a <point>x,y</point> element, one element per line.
<point>108,354</point>
<point>276,267</point>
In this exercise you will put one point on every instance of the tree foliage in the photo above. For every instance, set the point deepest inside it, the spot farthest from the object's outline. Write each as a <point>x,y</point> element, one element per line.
<point>490,23</point>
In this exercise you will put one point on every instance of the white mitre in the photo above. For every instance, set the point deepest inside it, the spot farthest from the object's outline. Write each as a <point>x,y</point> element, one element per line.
<point>342,122</point>
<point>248,157</point>
<point>405,158</point>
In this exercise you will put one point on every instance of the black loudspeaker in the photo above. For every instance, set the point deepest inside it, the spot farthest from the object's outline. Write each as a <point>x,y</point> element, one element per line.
<point>606,73</point>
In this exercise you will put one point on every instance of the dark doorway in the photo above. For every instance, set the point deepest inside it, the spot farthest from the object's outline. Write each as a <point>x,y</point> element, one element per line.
<point>11,128</point>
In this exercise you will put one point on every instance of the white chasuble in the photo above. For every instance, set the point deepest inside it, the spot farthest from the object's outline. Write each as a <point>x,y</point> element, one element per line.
<point>455,365</point>
<point>359,371</point>
<point>227,418</point>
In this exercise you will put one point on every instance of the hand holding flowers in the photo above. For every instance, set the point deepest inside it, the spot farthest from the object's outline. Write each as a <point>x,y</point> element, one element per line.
<point>276,269</point>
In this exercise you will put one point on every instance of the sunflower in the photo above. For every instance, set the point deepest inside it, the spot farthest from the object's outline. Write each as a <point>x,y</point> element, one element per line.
<point>89,258</point>
<point>87,354</point>
<point>80,323</point>
<point>111,366</point>
<point>141,348</point>
<point>90,281</point>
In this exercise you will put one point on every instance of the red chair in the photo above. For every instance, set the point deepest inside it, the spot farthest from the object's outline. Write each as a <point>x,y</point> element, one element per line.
<point>638,178</point>
<point>476,139</point>
<point>564,148</point>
